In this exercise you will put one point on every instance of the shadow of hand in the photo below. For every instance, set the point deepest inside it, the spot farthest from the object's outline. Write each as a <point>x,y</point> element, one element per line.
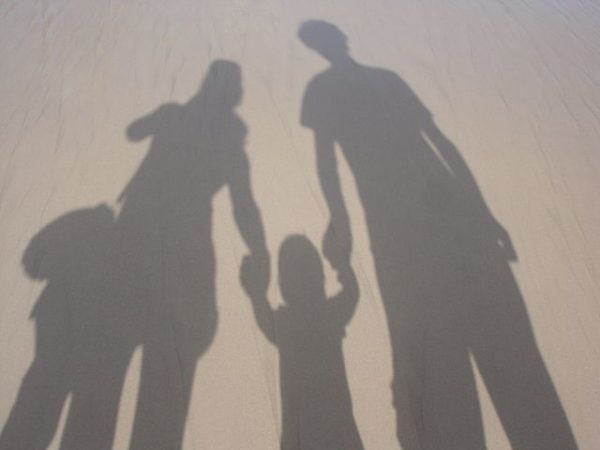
<point>255,274</point>
<point>337,249</point>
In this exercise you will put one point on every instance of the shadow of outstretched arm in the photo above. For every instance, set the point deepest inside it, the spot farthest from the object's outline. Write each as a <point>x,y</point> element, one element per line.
<point>337,242</point>
<point>255,269</point>
<point>245,210</point>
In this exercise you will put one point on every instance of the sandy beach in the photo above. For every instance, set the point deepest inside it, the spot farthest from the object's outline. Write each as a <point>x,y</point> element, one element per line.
<point>299,224</point>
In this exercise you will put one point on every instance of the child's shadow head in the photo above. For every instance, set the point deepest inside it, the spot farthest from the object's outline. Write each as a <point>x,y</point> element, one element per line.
<point>301,277</point>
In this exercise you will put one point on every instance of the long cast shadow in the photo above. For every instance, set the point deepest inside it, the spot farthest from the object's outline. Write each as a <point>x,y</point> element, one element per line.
<point>81,334</point>
<point>144,278</point>
<point>197,149</point>
<point>441,258</point>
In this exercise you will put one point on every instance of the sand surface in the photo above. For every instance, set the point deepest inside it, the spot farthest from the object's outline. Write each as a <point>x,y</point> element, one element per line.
<point>147,147</point>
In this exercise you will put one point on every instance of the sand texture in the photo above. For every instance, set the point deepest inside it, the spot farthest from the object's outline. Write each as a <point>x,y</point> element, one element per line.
<point>264,224</point>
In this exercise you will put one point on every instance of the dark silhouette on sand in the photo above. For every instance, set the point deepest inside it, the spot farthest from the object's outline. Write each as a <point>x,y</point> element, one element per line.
<point>145,278</point>
<point>197,149</point>
<point>308,331</point>
<point>442,260</point>
<point>82,333</point>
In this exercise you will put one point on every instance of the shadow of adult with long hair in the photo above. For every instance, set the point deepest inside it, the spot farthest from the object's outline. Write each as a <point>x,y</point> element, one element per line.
<point>441,259</point>
<point>308,331</point>
<point>145,278</point>
<point>165,223</point>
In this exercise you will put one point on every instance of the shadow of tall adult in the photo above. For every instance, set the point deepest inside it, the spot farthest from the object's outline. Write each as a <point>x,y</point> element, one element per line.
<point>145,278</point>
<point>441,259</point>
<point>165,222</point>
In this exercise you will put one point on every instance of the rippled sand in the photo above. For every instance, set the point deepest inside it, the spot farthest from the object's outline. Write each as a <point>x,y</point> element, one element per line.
<point>132,184</point>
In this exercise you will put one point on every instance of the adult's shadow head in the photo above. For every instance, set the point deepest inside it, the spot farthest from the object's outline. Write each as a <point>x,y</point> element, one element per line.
<point>83,335</point>
<point>441,259</point>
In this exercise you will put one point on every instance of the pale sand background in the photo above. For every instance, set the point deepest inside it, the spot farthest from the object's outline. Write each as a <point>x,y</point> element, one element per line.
<point>515,86</point>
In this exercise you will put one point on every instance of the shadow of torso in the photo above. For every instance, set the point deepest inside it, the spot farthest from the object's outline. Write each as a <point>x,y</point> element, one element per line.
<point>165,222</point>
<point>316,403</point>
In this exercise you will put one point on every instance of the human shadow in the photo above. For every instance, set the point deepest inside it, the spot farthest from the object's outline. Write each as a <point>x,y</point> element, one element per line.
<point>441,260</point>
<point>81,336</point>
<point>197,149</point>
<point>145,278</point>
<point>308,331</point>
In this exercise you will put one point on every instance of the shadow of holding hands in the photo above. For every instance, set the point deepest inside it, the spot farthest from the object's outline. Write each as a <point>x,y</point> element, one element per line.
<point>441,260</point>
<point>308,331</point>
<point>145,278</point>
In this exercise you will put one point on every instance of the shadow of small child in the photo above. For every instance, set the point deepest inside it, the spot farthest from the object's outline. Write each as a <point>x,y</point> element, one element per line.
<point>308,331</point>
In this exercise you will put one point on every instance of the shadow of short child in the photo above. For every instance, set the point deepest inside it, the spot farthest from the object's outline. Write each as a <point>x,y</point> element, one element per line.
<point>308,331</point>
